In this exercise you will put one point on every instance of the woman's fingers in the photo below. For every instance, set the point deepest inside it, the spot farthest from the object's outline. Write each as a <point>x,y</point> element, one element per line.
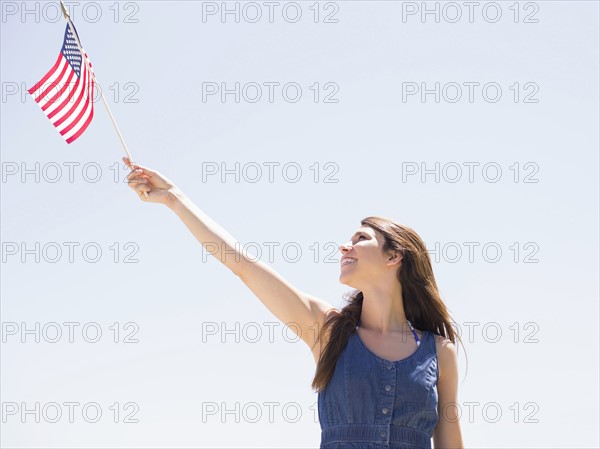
<point>140,173</point>
<point>141,188</point>
<point>149,184</point>
<point>134,183</point>
<point>134,173</point>
<point>129,163</point>
<point>135,166</point>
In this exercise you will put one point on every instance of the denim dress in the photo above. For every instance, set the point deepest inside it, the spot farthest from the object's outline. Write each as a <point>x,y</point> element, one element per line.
<point>374,403</point>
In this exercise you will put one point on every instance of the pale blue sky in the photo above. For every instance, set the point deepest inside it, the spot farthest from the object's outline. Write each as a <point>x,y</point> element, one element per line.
<point>366,141</point>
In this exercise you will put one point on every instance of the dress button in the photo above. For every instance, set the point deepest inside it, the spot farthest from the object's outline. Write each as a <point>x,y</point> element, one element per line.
<point>384,410</point>
<point>382,434</point>
<point>388,387</point>
<point>389,366</point>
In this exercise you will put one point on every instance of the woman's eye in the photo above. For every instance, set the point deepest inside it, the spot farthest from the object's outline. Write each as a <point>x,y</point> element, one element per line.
<point>358,238</point>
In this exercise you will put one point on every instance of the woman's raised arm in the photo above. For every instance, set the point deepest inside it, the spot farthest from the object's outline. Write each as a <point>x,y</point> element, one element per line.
<point>303,313</point>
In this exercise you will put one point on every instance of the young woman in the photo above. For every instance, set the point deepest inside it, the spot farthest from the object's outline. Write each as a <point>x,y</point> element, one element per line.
<point>387,371</point>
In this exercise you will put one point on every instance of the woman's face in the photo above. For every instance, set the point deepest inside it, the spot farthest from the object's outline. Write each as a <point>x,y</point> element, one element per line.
<point>363,259</point>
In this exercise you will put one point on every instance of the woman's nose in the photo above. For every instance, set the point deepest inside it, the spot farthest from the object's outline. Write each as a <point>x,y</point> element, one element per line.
<point>344,248</point>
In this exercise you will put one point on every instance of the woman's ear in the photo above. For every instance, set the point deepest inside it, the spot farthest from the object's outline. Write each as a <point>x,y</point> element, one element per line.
<point>399,257</point>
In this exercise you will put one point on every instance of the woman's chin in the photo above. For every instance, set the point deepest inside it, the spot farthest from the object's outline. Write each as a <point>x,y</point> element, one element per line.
<point>345,281</point>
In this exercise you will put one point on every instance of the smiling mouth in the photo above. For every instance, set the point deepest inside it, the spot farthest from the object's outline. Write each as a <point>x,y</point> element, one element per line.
<point>348,261</point>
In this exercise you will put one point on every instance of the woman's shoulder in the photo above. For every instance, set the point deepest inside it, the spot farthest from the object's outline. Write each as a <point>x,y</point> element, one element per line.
<point>329,314</point>
<point>333,310</point>
<point>446,352</point>
<point>324,336</point>
<point>442,342</point>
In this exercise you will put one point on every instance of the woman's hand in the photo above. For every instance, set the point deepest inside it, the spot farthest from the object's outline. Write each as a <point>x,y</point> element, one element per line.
<point>150,185</point>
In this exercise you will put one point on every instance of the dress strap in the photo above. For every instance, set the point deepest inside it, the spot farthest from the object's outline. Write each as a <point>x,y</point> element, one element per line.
<point>414,333</point>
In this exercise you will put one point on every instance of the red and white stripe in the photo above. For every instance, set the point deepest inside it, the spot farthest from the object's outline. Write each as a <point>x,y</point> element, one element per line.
<point>66,99</point>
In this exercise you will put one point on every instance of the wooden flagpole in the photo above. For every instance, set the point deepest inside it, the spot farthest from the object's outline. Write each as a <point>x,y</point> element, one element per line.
<point>89,69</point>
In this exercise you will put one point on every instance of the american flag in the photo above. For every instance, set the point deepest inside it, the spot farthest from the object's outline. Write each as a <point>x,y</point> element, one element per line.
<point>66,92</point>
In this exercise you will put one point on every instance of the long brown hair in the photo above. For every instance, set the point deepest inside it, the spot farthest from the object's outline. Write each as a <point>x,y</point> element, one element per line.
<point>422,303</point>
